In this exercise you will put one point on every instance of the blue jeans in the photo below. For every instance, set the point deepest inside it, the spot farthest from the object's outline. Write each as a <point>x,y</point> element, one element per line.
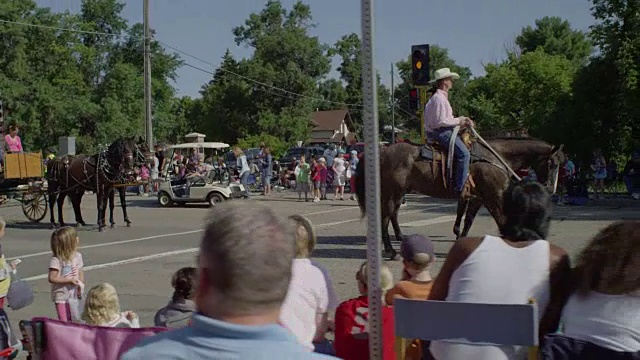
<point>244,179</point>
<point>324,347</point>
<point>461,154</point>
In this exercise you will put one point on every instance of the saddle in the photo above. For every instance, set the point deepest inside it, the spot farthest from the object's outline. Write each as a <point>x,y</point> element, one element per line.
<point>438,154</point>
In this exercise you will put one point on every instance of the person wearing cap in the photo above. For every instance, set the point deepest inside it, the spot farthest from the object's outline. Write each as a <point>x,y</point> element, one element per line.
<point>417,257</point>
<point>339,175</point>
<point>439,124</point>
<point>351,338</point>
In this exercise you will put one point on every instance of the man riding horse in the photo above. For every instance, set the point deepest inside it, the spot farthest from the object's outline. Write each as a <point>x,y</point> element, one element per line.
<point>439,125</point>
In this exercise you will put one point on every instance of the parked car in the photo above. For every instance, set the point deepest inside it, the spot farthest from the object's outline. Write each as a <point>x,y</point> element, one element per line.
<point>296,152</point>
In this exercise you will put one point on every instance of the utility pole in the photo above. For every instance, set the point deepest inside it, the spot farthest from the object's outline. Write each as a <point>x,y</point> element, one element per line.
<point>393,109</point>
<point>148,117</point>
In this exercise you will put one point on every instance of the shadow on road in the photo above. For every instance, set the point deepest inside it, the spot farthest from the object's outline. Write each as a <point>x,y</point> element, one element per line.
<point>359,253</point>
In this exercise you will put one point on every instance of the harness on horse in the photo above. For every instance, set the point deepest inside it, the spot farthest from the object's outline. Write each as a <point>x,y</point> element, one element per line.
<point>104,170</point>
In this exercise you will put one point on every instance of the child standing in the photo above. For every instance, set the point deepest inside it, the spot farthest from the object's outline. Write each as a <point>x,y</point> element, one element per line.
<point>6,269</point>
<point>315,178</point>
<point>417,257</point>
<point>324,172</point>
<point>302,179</point>
<point>65,270</point>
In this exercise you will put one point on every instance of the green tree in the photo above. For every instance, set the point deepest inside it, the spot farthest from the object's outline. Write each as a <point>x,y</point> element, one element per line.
<point>285,56</point>
<point>522,92</point>
<point>555,36</point>
<point>617,34</point>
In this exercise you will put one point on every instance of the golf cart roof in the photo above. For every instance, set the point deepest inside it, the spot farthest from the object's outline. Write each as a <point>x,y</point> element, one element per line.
<point>204,145</point>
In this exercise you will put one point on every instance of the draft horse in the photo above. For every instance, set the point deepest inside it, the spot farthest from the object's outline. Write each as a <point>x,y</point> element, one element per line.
<point>410,167</point>
<point>73,175</point>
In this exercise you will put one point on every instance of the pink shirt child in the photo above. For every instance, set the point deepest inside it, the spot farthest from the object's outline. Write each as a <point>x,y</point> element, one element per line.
<point>438,112</point>
<point>60,294</point>
<point>14,143</point>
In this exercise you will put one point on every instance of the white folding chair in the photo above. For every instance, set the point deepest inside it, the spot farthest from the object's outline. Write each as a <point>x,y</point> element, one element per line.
<point>468,323</point>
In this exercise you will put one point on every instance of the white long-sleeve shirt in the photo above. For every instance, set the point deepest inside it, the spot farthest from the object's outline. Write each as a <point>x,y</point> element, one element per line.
<point>438,112</point>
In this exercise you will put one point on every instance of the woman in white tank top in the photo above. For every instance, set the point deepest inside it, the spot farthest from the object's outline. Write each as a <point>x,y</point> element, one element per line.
<point>509,269</point>
<point>605,309</point>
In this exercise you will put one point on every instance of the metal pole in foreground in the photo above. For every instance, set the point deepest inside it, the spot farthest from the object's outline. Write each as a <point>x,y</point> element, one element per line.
<point>372,174</point>
<point>147,77</point>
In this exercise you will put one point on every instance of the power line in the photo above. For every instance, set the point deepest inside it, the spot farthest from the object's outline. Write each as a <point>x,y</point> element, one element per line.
<point>252,80</point>
<point>59,28</point>
<point>195,67</point>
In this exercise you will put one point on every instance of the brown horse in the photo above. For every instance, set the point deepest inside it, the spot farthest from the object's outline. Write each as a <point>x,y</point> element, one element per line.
<point>73,175</point>
<point>407,169</point>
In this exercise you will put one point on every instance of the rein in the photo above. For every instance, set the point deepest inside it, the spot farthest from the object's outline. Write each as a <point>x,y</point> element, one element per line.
<point>495,153</point>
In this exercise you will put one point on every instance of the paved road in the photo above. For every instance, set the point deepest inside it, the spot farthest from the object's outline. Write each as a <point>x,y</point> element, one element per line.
<point>139,261</point>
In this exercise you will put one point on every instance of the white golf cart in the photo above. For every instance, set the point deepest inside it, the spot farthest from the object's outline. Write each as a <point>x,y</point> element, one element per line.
<point>211,188</point>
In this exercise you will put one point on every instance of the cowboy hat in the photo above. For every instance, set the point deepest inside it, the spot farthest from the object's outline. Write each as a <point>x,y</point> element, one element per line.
<point>444,73</point>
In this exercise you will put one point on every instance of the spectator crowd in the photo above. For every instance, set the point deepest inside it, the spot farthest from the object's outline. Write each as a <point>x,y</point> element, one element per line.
<point>241,301</point>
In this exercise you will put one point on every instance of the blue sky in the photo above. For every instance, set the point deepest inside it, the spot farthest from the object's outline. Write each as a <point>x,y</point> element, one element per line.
<point>474,31</point>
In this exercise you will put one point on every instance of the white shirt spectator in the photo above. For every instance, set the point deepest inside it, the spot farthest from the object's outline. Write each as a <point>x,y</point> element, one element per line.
<point>243,166</point>
<point>610,321</point>
<point>306,299</point>
<point>334,301</point>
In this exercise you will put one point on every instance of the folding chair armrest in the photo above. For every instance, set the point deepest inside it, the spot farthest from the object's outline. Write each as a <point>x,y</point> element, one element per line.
<point>400,347</point>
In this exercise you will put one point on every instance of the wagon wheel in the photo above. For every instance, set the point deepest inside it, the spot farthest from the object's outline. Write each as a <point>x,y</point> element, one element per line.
<point>34,206</point>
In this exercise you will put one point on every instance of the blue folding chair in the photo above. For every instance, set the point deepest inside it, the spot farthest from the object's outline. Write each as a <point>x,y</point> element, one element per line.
<point>465,323</point>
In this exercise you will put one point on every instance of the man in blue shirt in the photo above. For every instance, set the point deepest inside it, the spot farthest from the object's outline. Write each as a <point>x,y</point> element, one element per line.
<point>241,287</point>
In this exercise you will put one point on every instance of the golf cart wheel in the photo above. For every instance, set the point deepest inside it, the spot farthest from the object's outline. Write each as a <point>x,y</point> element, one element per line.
<point>215,198</point>
<point>164,199</point>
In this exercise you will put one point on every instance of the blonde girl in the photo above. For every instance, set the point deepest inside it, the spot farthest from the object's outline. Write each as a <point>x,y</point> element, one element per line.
<point>305,309</point>
<point>6,269</point>
<point>65,270</point>
<point>102,308</point>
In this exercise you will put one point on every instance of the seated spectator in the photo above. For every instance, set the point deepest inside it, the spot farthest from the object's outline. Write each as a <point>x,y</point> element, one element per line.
<point>244,270</point>
<point>304,226</point>
<point>304,311</point>
<point>352,321</point>
<point>417,257</point>
<point>102,308</point>
<point>179,310</point>
<point>510,269</point>
<point>605,308</point>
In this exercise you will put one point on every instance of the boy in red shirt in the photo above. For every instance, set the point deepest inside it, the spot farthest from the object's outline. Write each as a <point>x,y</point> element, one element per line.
<point>352,321</point>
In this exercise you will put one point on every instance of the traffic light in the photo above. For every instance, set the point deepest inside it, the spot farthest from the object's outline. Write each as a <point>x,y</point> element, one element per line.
<point>414,100</point>
<point>420,64</point>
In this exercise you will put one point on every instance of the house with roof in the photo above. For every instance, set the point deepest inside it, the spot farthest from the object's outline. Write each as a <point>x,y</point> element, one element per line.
<point>332,126</point>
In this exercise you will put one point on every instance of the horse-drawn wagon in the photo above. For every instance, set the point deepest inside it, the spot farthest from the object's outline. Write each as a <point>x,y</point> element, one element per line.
<point>22,178</point>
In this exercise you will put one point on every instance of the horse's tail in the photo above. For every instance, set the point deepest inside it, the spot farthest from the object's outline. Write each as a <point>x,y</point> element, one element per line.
<point>360,186</point>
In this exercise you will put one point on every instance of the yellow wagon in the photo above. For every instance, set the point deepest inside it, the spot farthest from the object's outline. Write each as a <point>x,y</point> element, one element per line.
<point>23,177</point>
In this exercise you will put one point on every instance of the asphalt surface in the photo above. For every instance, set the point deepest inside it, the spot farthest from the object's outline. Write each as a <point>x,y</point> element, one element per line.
<point>139,261</point>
